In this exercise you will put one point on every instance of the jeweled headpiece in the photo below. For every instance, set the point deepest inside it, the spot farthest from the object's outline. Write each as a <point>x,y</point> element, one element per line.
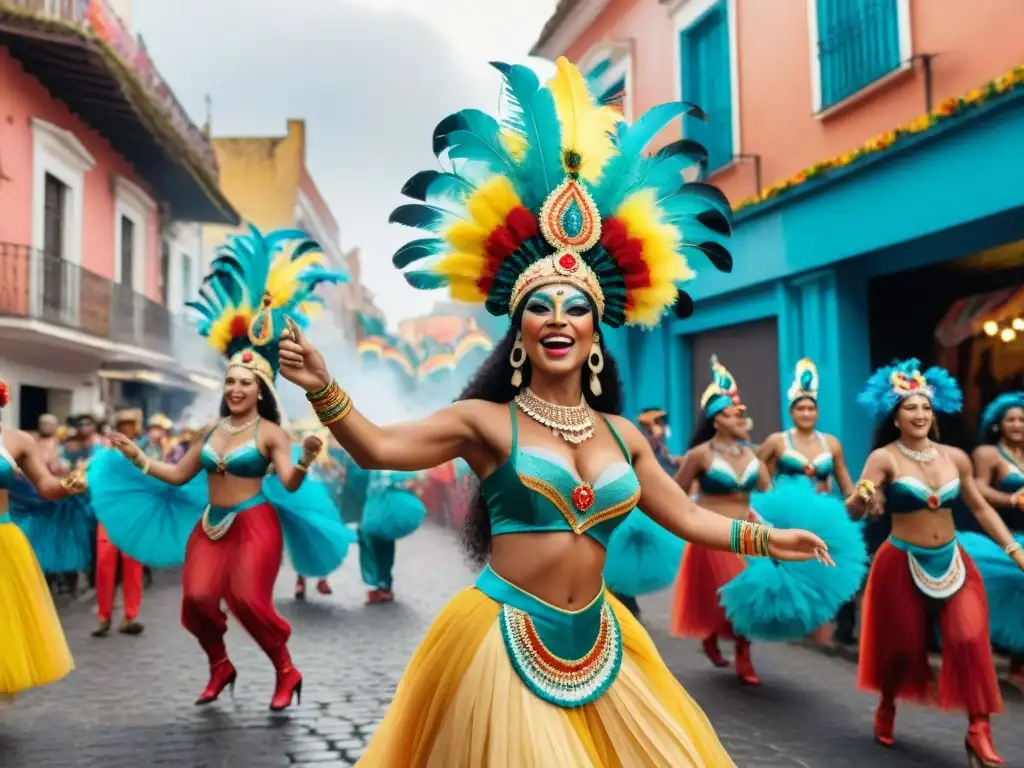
<point>892,384</point>
<point>721,393</point>
<point>805,382</point>
<point>996,410</point>
<point>561,192</point>
<point>257,282</point>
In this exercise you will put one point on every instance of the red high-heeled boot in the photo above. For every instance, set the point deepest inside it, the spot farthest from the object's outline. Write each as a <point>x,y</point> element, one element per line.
<point>885,723</point>
<point>713,652</point>
<point>222,675</point>
<point>744,666</point>
<point>300,588</point>
<point>981,753</point>
<point>289,681</point>
<point>324,587</point>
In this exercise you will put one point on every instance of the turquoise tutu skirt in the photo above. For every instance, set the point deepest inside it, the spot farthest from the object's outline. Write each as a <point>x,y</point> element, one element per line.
<point>392,515</point>
<point>1004,587</point>
<point>778,601</point>
<point>62,532</point>
<point>642,556</point>
<point>151,521</point>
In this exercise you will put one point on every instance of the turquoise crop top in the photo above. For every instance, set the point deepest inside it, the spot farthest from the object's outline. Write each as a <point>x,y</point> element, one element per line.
<point>7,469</point>
<point>1014,480</point>
<point>535,490</point>
<point>244,461</point>
<point>720,478</point>
<point>908,494</point>
<point>792,462</point>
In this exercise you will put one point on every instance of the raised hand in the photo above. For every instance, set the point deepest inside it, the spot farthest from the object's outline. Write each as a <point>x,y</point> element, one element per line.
<point>301,362</point>
<point>797,545</point>
<point>311,447</point>
<point>129,449</point>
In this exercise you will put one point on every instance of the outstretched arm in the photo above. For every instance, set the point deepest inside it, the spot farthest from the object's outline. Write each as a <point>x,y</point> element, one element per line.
<point>867,496</point>
<point>30,461</point>
<point>986,462</point>
<point>667,504</point>
<point>839,467</point>
<point>768,453</point>
<point>983,512</point>
<point>172,474</point>
<point>280,449</point>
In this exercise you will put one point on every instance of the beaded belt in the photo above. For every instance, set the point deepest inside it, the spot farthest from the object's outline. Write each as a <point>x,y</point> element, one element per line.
<point>937,572</point>
<point>225,516</point>
<point>567,658</point>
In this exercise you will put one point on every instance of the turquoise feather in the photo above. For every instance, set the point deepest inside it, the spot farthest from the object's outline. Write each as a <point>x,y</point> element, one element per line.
<point>418,249</point>
<point>422,216</point>
<point>693,198</point>
<point>425,281</point>
<point>438,187</point>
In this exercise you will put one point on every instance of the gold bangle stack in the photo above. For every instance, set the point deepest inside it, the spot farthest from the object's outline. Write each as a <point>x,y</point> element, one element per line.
<point>74,483</point>
<point>331,404</point>
<point>865,489</point>
<point>1012,548</point>
<point>750,539</point>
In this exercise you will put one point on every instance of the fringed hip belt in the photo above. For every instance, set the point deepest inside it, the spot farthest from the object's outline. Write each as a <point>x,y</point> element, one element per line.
<point>217,521</point>
<point>567,658</point>
<point>938,572</point>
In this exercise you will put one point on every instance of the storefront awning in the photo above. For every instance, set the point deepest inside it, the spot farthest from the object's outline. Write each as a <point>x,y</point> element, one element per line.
<point>966,317</point>
<point>193,382</point>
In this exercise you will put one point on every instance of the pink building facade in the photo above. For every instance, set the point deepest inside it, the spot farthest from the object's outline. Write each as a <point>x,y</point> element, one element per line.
<point>92,185</point>
<point>867,147</point>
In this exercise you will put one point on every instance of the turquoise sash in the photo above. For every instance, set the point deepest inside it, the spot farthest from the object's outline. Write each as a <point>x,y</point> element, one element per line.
<point>938,572</point>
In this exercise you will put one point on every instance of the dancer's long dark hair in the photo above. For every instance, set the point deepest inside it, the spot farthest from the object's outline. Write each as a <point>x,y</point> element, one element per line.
<point>266,404</point>
<point>493,383</point>
<point>705,431</point>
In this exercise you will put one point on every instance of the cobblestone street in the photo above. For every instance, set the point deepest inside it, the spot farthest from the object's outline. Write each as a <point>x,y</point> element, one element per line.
<point>129,704</point>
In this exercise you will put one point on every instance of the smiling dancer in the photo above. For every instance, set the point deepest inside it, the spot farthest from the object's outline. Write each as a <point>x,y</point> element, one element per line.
<point>234,545</point>
<point>33,650</point>
<point>537,665</point>
<point>921,571</point>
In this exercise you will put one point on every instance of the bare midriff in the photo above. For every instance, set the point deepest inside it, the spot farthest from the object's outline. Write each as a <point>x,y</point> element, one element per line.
<point>928,528</point>
<point>230,490</point>
<point>561,568</point>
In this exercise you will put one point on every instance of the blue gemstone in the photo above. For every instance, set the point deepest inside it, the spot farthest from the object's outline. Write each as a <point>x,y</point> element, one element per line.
<point>572,219</point>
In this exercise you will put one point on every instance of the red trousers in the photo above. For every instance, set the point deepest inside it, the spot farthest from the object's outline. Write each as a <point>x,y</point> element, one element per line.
<point>696,610</point>
<point>240,568</point>
<point>894,639</point>
<point>107,557</point>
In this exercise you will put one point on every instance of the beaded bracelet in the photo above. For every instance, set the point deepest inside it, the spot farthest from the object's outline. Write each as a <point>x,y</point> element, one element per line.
<point>331,403</point>
<point>1012,548</point>
<point>750,539</point>
<point>865,489</point>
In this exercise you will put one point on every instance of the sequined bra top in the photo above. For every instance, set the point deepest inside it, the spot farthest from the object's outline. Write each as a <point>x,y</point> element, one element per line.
<point>243,461</point>
<point>792,462</point>
<point>535,490</point>
<point>909,494</point>
<point>1014,479</point>
<point>720,479</point>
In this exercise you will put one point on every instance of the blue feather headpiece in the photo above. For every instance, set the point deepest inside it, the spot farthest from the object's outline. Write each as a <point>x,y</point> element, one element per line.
<point>890,385</point>
<point>256,283</point>
<point>562,192</point>
<point>996,410</point>
<point>721,393</point>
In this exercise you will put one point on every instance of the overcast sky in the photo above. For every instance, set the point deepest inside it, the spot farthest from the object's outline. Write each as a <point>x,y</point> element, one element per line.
<point>370,77</point>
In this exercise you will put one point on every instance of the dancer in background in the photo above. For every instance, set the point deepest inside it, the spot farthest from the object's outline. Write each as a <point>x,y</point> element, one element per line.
<point>234,545</point>
<point>921,571</point>
<point>323,470</point>
<point>33,650</point>
<point>728,472</point>
<point>999,475</point>
<point>393,511</point>
<point>537,665</point>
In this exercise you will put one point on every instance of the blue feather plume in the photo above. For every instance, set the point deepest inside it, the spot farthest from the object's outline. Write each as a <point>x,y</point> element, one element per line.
<point>642,556</point>
<point>880,399</point>
<point>996,410</point>
<point>1004,587</point>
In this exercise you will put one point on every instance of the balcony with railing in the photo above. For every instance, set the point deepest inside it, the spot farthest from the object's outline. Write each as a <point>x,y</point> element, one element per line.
<point>83,54</point>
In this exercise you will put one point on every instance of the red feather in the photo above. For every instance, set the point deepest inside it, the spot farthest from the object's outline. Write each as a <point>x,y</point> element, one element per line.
<point>239,327</point>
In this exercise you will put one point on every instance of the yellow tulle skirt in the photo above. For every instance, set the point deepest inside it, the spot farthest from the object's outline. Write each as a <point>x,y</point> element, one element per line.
<point>461,704</point>
<point>33,650</point>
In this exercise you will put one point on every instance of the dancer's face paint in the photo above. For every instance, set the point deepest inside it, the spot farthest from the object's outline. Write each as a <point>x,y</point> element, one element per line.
<point>558,329</point>
<point>241,391</point>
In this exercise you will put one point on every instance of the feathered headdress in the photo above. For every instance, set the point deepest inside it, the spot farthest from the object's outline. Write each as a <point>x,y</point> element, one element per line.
<point>892,384</point>
<point>560,192</point>
<point>5,394</point>
<point>805,382</point>
<point>722,392</point>
<point>996,410</point>
<point>257,282</point>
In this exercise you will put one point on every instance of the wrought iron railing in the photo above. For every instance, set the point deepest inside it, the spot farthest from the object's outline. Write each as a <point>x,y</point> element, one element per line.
<point>99,19</point>
<point>858,43</point>
<point>38,286</point>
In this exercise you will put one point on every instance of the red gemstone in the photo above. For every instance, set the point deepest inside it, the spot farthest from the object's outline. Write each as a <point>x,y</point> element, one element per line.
<point>809,470</point>
<point>583,497</point>
<point>567,261</point>
<point>933,502</point>
<point>247,357</point>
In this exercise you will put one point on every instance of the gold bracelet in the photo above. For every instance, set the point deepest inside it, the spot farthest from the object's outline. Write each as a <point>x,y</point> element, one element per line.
<point>331,404</point>
<point>74,483</point>
<point>865,489</point>
<point>1012,548</point>
<point>303,468</point>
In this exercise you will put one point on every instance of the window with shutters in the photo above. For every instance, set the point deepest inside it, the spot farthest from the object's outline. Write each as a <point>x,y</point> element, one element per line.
<point>706,78</point>
<point>127,254</point>
<point>857,42</point>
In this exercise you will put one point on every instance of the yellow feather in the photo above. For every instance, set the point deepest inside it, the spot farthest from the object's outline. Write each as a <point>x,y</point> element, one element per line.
<point>586,127</point>
<point>487,206</point>
<point>220,329</point>
<point>467,237</point>
<point>283,277</point>
<point>514,143</point>
<point>467,266</point>
<point>467,291</point>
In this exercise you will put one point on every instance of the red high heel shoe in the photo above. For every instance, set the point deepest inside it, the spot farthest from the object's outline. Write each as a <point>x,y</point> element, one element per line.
<point>300,588</point>
<point>324,587</point>
<point>712,651</point>
<point>222,675</point>
<point>744,666</point>
<point>289,681</point>
<point>981,753</point>
<point>885,724</point>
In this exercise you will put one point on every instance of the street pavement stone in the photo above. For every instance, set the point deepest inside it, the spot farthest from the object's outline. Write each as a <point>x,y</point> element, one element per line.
<point>129,704</point>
